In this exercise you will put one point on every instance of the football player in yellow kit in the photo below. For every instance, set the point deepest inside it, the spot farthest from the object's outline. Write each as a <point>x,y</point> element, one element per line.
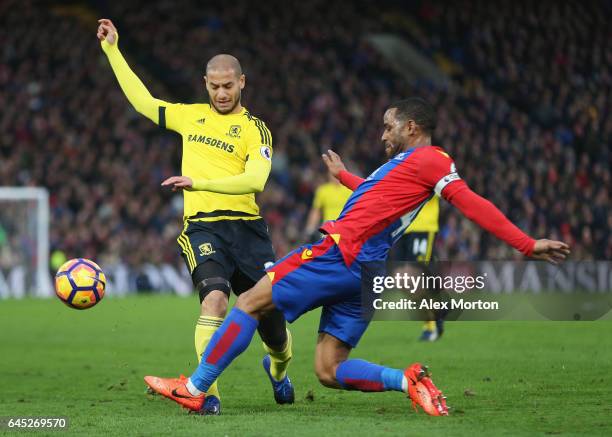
<point>227,154</point>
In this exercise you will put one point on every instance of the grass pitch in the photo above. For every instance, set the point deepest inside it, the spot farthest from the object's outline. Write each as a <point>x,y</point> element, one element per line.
<point>500,377</point>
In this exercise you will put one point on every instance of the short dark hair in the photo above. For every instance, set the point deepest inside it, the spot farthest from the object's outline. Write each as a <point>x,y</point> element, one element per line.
<point>223,61</point>
<point>417,109</point>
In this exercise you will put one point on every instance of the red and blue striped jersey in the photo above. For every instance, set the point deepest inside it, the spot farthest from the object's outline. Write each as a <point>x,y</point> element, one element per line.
<point>383,205</point>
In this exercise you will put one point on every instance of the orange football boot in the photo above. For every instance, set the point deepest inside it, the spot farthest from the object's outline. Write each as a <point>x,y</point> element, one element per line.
<point>181,379</point>
<point>423,392</point>
<point>175,389</point>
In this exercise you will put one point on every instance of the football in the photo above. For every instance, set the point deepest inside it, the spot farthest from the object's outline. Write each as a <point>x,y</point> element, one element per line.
<point>80,283</point>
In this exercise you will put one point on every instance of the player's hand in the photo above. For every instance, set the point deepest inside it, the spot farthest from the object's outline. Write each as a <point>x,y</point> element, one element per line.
<point>333,162</point>
<point>549,250</point>
<point>178,183</point>
<point>107,31</point>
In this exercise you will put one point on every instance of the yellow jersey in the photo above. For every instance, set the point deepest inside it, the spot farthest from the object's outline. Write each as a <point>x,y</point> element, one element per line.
<point>427,219</point>
<point>227,156</point>
<point>330,199</point>
<point>217,146</point>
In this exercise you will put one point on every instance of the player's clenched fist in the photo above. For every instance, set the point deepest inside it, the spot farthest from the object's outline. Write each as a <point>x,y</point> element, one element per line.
<point>333,162</point>
<point>178,183</point>
<point>107,31</point>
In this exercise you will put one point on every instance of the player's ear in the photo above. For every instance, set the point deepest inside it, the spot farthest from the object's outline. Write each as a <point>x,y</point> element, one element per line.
<point>411,127</point>
<point>242,81</point>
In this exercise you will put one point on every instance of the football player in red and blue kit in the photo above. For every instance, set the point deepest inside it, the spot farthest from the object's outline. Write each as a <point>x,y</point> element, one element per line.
<point>327,274</point>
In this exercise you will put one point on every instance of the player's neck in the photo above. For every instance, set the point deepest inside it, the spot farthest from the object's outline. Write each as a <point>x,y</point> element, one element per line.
<point>237,109</point>
<point>420,141</point>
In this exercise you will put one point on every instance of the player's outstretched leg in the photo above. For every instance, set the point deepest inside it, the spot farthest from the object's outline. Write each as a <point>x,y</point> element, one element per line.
<point>229,341</point>
<point>336,370</point>
<point>213,290</point>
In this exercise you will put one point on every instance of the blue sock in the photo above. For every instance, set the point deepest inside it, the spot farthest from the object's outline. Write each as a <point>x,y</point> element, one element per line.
<point>229,341</point>
<point>365,376</point>
<point>392,379</point>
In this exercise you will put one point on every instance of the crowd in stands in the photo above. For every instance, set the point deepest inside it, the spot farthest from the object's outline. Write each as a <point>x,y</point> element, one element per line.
<point>64,126</point>
<point>527,117</point>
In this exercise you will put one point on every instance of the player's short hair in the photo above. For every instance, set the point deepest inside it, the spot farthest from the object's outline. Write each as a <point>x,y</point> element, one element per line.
<point>224,61</point>
<point>417,109</point>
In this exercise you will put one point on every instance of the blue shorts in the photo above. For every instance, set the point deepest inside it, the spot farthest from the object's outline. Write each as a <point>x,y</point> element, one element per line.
<point>315,275</point>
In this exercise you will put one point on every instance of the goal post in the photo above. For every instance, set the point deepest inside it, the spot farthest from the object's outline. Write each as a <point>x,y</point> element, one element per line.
<point>24,242</point>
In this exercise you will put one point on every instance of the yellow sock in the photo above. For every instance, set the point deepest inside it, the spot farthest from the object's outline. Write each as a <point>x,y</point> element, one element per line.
<point>429,326</point>
<point>279,360</point>
<point>204,330</point>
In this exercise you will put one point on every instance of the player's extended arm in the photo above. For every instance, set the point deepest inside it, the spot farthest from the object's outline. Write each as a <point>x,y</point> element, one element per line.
<point>338,170</point>
<point>253,180</point>
<point>349,180</point>
<point>133,88</point>
<point>487,216</point>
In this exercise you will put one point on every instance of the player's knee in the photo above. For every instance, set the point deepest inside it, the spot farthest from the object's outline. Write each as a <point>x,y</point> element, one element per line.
<point>246,303</point>
<point>251,304</point>
<point>214,293</point>
<point>257,301</point>
<point>326,375</point>
<point>214,303</point>
<point>327,379</point>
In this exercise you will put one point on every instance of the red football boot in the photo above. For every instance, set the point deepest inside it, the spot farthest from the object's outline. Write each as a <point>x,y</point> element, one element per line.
<point>182,378</point>
<point>423,392</point>
<point>175,389</point>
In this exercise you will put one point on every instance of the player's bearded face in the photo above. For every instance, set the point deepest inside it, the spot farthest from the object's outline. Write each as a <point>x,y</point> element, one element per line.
<point>224,90</point>
<point>393,137</point>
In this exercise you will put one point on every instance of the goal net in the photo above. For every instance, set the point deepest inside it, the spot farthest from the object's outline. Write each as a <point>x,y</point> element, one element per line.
<point>24,242</point>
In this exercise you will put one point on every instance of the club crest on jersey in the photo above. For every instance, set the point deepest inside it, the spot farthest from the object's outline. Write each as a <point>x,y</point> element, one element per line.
<point>206,249</point>
<point>266,152</point>
<point>234,131</point>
